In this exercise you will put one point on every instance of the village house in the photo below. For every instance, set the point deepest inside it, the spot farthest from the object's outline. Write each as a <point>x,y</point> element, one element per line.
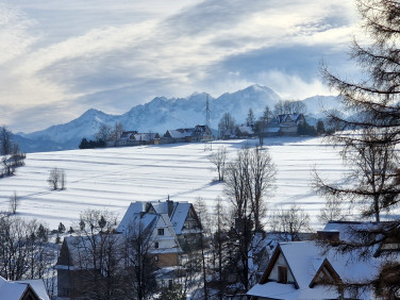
<point>199,133</point>
<point>244,131</point>
<point>312,270</point>
<point>284,125</point>
<point>134,138</point>
<point>23,290</point>
<point>179,223</point>
<point>164,228</point>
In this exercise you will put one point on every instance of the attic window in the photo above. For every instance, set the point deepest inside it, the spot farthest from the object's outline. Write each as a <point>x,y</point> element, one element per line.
<point>160,231</point>
<point>282,274</point>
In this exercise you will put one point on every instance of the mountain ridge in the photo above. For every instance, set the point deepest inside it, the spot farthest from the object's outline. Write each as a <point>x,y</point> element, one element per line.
<point>157,115</point>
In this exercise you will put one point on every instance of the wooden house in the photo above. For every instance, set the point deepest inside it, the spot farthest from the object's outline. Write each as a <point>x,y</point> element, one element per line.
<point>312,270</point>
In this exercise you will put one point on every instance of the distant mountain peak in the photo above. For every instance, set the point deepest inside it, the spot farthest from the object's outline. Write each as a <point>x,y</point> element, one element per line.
<point>159,115</point>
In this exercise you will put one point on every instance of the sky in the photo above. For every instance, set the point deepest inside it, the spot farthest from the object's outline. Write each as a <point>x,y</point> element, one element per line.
<point>60,58</point>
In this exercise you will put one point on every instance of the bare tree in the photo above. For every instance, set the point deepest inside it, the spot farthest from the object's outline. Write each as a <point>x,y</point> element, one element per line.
<point>103,134</point>
<point>116,132</point>
<point>98,253</point>
<point>226,125</point>
<point>54,179</point>
<point>289,107</point>
<point>332,211</point>
<point>262,123</point>
<point>63,180</point>
<point>290,221</point>
<point>140,264</point>
<point>218,158</point>
<point>249,178</point>
<point>14,203</point>
<point>57,179</point>
<point>23,255</point>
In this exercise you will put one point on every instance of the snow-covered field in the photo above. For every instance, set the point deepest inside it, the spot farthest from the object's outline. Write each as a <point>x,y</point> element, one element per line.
<point>112,178</point>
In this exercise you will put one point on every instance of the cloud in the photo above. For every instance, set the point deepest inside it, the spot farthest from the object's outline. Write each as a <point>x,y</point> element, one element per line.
<point>14,34</point>
<point>115,55</point>
<point>292,87</point>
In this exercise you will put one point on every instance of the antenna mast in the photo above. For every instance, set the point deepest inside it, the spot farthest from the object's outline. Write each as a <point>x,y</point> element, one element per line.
<point>208,113</point>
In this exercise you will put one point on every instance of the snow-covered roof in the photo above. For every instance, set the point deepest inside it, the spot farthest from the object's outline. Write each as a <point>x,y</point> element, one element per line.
<point>126,135</point>
<point>145,136</point>
<point>274,290</point>
<point>135,216</point>
<point>38,286</point>
<point>245,129</point>
<point>352,231</point>
<point>17,289</point>
<point>181,133</point>
<point>177,213</point>
<point>304,259</point>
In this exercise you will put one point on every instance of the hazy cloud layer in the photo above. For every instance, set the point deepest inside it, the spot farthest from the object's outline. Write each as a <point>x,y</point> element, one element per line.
<point>60,58</point>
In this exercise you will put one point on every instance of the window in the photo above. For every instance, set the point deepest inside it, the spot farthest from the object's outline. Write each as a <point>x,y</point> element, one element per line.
<point>282,274</point>
<point>156,258</point>
<point>156,245</point>
<point>160,231</point>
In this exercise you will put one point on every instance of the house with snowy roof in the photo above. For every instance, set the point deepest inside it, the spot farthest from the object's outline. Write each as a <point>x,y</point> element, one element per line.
<point>284,125</point>
<point>23,290</point>
<point>317,270</point>
<point>174,223</point>
<point>199,133</point>
<point>134,138</point>
<point>305,270</point>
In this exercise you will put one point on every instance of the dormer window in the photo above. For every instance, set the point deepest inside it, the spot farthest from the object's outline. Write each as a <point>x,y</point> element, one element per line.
<point>282,274</point>
<point>160,231</point>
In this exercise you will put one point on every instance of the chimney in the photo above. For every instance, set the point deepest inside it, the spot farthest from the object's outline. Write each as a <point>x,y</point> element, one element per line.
<point>170,206</point>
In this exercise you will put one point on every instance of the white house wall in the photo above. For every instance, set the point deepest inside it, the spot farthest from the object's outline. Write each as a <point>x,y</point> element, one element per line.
<point>281,261</point>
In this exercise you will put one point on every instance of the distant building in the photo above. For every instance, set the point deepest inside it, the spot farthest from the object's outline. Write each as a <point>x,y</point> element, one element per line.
<point>244,131</point>
<point>134,138</point>
<point>199,133</point>
<point>284,125</point>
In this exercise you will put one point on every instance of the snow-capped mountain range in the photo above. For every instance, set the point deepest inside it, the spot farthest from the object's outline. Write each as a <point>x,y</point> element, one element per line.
<point>162,114</point>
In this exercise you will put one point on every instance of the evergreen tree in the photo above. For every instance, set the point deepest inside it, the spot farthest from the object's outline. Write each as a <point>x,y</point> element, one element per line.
<point>369,148</point>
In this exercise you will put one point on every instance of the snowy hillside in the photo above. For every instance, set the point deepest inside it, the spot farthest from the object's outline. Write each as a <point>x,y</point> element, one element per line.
<point>112,178</point>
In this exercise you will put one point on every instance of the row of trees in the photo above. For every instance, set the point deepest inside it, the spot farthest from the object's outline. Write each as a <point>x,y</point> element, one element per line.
<point>25,251</point>
<point>228,126</point>
<point>12,157</point>
<point>104,135</point>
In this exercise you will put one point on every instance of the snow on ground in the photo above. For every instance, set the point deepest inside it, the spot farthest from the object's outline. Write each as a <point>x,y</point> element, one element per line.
<point>112,178</point>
